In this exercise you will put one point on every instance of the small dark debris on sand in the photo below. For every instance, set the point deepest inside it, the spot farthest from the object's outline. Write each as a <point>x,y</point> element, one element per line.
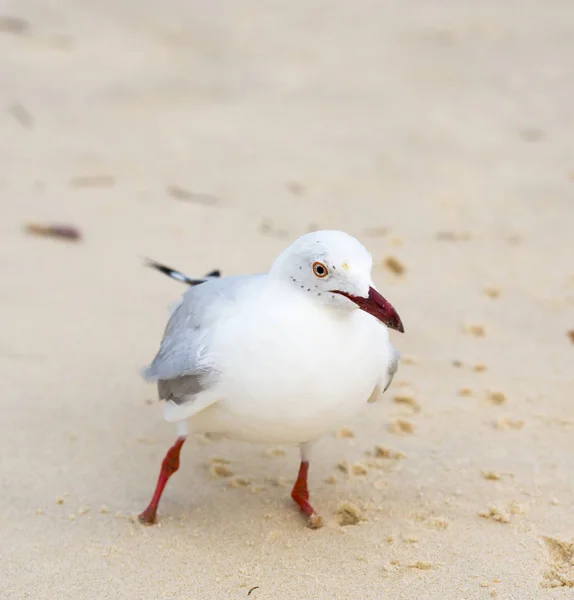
<point>179,193</point>
<point>59,231</point>
<point>92,181</point>
<point>14,25</point>
<point>21,115</point>
<point>394,265</point>
<point>452,236</point>
<point>295,188</point>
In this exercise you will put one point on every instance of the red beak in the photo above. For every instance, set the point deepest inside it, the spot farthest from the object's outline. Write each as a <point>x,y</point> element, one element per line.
<point>378,307</point>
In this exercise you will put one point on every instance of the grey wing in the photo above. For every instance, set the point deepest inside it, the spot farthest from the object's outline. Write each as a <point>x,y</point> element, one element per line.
<point>180,388</point>
<point>392,367</point>
<point>178,367</point>
<point>182,366</point>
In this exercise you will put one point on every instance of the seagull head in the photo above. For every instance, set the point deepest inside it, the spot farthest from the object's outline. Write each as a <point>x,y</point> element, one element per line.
<point>335,269</point>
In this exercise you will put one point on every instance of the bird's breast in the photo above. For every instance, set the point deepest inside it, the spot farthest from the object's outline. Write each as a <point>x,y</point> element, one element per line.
<point>300,366</point>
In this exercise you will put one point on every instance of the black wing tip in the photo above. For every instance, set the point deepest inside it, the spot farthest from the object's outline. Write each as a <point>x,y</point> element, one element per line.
<point>178,275</point>
<point>149,262</point>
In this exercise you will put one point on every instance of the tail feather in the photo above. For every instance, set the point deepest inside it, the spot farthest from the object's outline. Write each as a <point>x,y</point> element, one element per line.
<point>179,276</point>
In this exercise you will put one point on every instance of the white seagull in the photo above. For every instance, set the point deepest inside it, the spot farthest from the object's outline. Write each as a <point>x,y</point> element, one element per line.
<point>283,357</point>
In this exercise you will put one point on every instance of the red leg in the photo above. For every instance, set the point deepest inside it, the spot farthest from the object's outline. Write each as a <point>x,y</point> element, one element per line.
<point>300,494</point>
<point>169,466</point>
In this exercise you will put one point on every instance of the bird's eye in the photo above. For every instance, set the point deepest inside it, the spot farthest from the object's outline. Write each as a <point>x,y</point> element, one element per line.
<point>320,270</point>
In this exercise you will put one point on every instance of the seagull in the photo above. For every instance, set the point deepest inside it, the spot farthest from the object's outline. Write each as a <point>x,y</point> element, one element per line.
<point>283,357</point>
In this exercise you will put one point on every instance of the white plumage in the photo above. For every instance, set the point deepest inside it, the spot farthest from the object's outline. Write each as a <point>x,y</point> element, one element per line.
<point>284,357</point>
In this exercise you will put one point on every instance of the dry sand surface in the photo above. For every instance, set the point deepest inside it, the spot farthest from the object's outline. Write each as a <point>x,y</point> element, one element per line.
<point>211,134</point>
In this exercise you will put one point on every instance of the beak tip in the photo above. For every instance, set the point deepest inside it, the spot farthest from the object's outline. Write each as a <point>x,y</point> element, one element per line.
<point>398,325</point>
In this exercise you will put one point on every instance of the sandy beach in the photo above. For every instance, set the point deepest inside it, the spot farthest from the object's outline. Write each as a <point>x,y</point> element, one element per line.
<point>211,135</point>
